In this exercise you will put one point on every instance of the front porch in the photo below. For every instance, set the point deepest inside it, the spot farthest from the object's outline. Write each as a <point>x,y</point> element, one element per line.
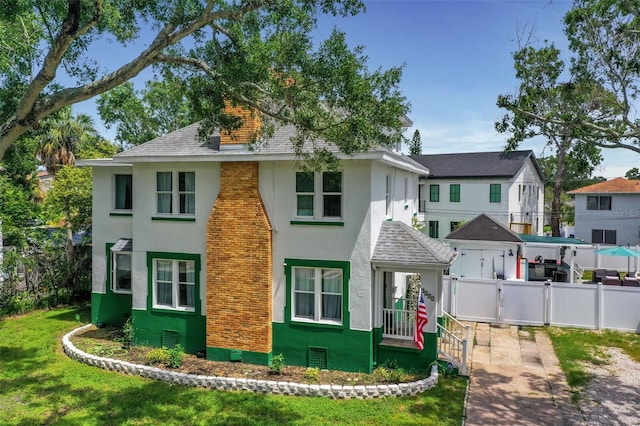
<point>452,337</point>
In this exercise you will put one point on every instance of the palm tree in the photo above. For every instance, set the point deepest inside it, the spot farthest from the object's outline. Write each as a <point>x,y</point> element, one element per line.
<point>62,136</point>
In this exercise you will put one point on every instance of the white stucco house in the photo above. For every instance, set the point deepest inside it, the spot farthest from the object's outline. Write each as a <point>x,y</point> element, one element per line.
<point>509,186</point>
<point>232,250</point>
<point>608,212</point>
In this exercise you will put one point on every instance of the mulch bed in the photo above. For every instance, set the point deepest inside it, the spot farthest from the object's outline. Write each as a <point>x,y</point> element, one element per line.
<point>107,342</point>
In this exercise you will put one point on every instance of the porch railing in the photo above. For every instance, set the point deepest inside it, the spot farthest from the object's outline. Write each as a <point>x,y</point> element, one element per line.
<point>398,323</point>
<point>453,341</point>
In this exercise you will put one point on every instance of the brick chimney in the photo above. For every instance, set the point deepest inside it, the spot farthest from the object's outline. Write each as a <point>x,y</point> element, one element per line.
<point>250,129</point>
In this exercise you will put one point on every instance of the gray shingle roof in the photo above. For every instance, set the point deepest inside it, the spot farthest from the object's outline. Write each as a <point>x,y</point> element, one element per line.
<point>399,243</point>
<point>484,228</point>
<point>185,142</point>
<point>476,164</point>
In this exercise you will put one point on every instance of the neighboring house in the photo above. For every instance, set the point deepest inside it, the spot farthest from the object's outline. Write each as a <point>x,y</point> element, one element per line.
<point>45,181</point>
<point>233,250</point>
<point>608,212</point>
<point>509,186</point>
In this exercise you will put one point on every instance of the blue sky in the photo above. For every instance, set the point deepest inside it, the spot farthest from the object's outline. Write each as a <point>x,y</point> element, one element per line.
<point>457,59</point>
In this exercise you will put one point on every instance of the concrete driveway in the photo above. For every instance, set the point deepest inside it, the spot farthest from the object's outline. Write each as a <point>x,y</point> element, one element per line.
<point>516,380</point>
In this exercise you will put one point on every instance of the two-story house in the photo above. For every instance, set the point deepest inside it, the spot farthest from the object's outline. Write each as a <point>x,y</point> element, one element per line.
<point>608,212</point>
<point>508,186</point>
<point>234,250</point>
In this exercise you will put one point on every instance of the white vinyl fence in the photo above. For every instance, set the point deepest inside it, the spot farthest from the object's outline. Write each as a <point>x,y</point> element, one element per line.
<point>594,306</point>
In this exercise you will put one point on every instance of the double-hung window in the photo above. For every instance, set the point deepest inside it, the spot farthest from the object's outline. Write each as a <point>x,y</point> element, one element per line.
<point>495,193</point>
<point>176,189</point>
<point>317,294</point>
<point>123,192</point>
<point>121,266</point>
<point>319,195</point>
<point>174,284</point>
<point>454,193</point>
<point>434,193</point>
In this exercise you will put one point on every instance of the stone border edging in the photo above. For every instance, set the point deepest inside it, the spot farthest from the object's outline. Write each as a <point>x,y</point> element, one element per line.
<point>252,385</point>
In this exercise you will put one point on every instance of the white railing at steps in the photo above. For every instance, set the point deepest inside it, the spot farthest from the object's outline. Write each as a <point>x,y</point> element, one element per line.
<point>453,342</point>
<point>577,271</point>
<point>398,323</point>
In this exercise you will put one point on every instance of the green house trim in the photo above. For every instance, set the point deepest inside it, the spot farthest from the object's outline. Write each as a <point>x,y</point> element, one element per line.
<point>151,256</point>
<point>119,214</point>
<point>316,223</point>
<point>173,219</point>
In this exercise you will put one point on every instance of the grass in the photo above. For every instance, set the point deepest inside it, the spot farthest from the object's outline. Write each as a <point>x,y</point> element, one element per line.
<point>40,385</point>
<point>574,347</point>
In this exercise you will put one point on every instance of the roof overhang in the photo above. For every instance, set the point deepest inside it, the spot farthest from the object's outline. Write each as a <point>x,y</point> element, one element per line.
<point>102,162</point>
<point>396,160</point>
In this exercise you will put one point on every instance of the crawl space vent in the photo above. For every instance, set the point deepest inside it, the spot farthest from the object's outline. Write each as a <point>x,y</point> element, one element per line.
<point>169,338</point>
<point>318,358</point>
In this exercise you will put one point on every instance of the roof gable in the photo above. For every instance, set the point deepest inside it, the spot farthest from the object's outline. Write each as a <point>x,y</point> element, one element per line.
<point>477,164</point>
<point>484,228</point>
<point>401,244</point>
<point>618,185</point>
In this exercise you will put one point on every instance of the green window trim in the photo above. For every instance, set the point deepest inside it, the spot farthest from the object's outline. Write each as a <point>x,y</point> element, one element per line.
<point>117,214</point>
<point>317,223</point>
<point>173,219</point>
<point>109,273</point>
<point>190,257</point>
<point>345,266</point>
<point>495,193</point>
<point>434,193</point>
<point>454,193</point>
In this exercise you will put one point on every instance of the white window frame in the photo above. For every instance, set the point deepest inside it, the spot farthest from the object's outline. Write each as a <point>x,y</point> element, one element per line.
<point>175,194</point>
<point>114,272</point>
<point>318,198</point>
<point>114,269</point>
<point>318,293</point>
<point>175,285</point>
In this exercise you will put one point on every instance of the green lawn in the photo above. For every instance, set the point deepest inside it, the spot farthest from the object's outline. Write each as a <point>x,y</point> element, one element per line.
<point>574,346</point>
<point>40,385</point>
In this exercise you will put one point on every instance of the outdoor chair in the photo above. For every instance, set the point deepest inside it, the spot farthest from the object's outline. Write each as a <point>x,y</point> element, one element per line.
<point>610,280</point>
<point>613,273</point>
<point>631,282</point>
<point>599,274</point>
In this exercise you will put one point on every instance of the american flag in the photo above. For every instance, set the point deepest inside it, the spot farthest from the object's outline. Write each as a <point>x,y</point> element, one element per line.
<point>421,321</point>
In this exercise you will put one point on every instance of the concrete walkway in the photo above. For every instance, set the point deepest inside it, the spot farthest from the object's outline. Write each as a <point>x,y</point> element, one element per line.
<point>516,380</point>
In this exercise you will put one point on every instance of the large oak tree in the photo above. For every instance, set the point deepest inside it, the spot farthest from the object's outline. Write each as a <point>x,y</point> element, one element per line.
<point>258,53</point>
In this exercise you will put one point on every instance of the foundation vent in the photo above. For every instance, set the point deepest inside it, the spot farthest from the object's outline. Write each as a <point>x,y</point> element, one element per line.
<point>318,358</point>
<point>169,338</point>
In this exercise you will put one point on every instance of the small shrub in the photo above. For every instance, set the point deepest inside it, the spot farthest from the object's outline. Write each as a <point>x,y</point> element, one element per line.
<point>312,374</point>
<point>277,364</point>
<point>389,375</point>
<point>176,354</point>
<point>158,355</point>
<point>127,333</point>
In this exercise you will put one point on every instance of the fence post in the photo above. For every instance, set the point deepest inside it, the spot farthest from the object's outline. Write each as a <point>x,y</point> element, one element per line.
<point>465,345</point>
<point>547,303</point>
<point>600,314</point>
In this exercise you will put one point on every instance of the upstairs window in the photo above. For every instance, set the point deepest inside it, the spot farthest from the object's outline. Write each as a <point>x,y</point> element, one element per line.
<point>184,197</point>
<point>454,193</point>
<point>599,202</point>
<point>123,192</point>
<point>319,195</point>
<point>495,193</point>
<point>434,193</point>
